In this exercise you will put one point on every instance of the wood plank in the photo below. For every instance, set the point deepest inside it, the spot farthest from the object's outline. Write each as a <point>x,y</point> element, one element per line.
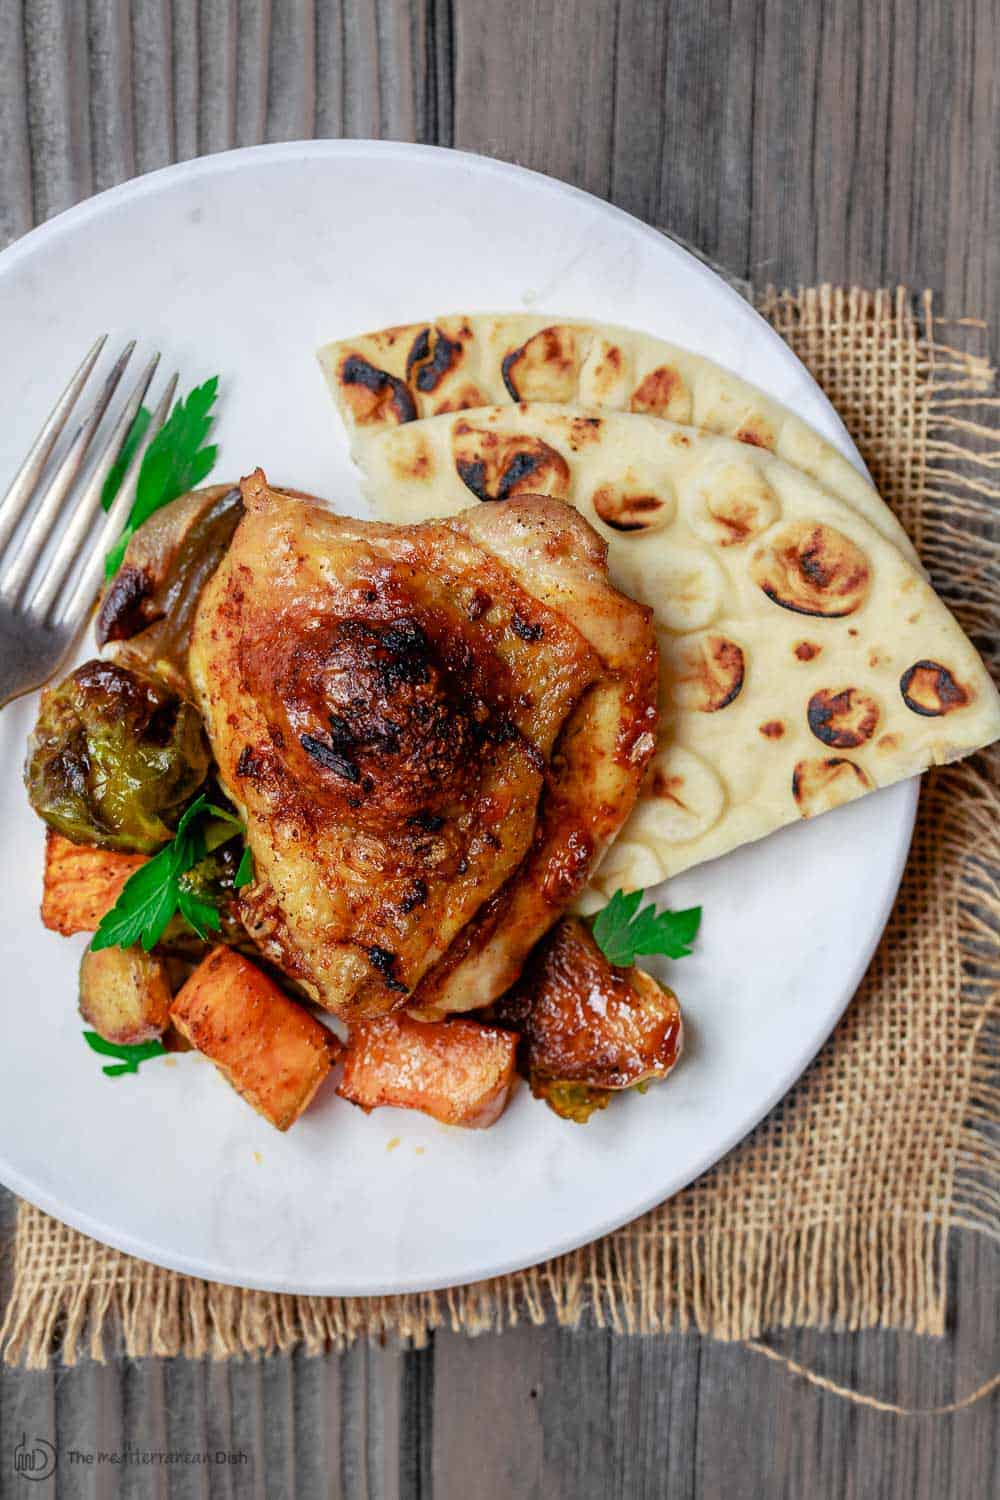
<point>252,67</point>
<point>186,1399</point>
<point>533,85</point>
<point>385,1369</point>
<point>186,76</point>
<point>27,1411</point>
<point>486,1425</point>
<point>247,1407</point>
<point>109,47</point>
<point>16,215</point>
<point>683,121</point>
<point>152,85</point>
<point>55,48</point>
<point>316,1426</point>
<point>224,1482</point>
<point>369,54</point>
<point>278,1460</point>
<point>217,26</point>
<point>415,1431</point>
<point>370,1419</point>
<point>291,83</point>
<point>144,1419</point>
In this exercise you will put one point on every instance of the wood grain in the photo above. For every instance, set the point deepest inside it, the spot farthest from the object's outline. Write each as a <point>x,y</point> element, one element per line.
<point>793,141</point>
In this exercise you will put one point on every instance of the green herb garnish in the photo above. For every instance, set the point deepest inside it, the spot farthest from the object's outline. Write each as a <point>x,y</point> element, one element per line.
<point>157,890</point>
<point>623,932</point>
<point>244,875</point>
<point>116,473</point>
<point>130,1057</point>
<point>177,460</point>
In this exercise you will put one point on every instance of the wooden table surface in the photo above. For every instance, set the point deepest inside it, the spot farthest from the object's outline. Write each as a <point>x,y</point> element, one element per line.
<point>794,141</point>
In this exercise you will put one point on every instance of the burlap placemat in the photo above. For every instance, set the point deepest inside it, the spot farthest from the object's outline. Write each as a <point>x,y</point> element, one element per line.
<point>836,1212</point>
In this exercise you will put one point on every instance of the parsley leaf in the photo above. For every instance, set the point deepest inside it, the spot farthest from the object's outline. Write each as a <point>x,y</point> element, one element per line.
<point>116,473</point>
<point>244,875</point>
<point>152,895</point>
<point>197,912</point>
<point>147,902</point>
<point>177,460</point>
<point>623,932</point>
<point>130,1057</point>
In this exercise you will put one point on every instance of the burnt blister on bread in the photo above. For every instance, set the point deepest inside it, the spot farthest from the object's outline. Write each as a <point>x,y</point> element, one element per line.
<point>843,720</point>
<point>497,466</point>
<point>813,569</point>
<point>374,395</point>
<point>432,356</point>
<point>929,689</point>
<point>818,786</point>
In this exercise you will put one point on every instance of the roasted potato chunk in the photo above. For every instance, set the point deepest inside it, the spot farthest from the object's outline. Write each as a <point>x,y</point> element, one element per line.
<point>587,1027</point>
<point>271,1050</point>
<point>457,1072</point>
<point>81,883</point>
<point>125,994</point>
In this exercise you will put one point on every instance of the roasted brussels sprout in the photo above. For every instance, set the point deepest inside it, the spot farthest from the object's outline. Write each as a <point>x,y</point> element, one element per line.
<point>114,758</point>
<point>150,603</point>
<point>570,1101</point>
<point>588,1028</point>
<point>213,880</point>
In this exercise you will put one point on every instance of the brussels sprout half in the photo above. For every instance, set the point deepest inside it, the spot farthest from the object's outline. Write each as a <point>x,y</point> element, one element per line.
<point>149,605</point>
<point>114,758</point>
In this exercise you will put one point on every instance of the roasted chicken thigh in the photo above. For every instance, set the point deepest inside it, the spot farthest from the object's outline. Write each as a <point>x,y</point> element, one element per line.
<point>433,733</point>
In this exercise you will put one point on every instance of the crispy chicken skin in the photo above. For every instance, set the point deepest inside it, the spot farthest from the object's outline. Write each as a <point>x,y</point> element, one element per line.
<point>418,725</point>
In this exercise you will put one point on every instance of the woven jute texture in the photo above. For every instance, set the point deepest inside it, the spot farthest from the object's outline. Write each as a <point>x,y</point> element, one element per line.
<point>836,1212</point>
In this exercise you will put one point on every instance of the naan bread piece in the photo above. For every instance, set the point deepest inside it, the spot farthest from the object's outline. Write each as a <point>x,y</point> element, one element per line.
<point>408,718</point>
<point>396,375</point>
<point>804,660</point>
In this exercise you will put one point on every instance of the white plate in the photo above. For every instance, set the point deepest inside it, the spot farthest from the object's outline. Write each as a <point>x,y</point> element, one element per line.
<point>243,263</point>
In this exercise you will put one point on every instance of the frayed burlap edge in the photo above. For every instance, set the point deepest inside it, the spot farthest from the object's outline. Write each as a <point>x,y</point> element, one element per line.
<point>772,1237</point>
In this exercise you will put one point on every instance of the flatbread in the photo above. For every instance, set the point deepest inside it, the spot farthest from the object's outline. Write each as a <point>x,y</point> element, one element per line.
<point>804,660</point>
<point>384,379</point>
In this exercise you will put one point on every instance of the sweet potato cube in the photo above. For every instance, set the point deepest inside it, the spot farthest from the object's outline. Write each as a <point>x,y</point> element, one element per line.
<point>82,883</point>
<point>270,1049</point>
<point>458,1072</point>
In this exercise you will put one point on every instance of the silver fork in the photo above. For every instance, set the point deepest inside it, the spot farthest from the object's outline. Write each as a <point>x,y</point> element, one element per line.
<point>40,618</point>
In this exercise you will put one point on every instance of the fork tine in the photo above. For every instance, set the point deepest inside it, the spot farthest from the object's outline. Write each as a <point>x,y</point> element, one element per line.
<point>77,605</point>
<point>23,484</point>
<point>14,577</point>
<point>66,554</point>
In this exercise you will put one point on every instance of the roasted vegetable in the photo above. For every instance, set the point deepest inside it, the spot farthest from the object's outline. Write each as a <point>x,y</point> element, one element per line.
<point>588,1028</point>
<point>271,1050</point>
<point>114,758</point>
<point>150,602</point>
<point>81,884</point>
<point>570,1101</point>
<point>125,994</point>
<point>456,1071</point>
<point>211,880</point>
